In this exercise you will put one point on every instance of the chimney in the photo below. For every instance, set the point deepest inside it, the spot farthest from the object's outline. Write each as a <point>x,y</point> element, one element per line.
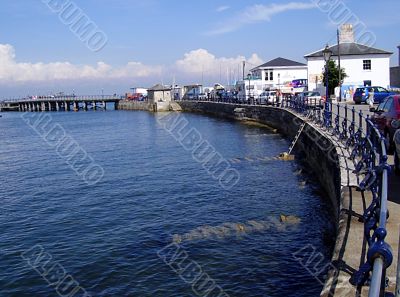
<point>346,34</point>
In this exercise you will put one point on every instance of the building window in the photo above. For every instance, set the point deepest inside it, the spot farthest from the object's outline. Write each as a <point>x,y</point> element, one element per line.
<point>367,64</point>
<point>271,76</point>
<point>266,75</point>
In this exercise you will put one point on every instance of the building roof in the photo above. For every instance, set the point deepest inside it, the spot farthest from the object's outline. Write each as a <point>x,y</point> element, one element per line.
<point>350,49</point>
<point>160,87</point>
<point>281,62</point>
<point>193,85</point>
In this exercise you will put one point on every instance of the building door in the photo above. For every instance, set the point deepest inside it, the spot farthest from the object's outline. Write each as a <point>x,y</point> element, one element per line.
<point>367,83</point>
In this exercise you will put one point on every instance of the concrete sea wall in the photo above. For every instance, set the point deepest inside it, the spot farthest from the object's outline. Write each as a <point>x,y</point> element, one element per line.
<point>325,158</point>
<point>134,105</point>
<point>145,105</point>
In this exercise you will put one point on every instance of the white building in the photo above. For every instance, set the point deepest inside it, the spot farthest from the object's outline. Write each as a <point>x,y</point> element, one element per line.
<point>279,72</point>
<point>138,90</point>
<point>363,65</point>
<point>276,74</point>
<point>192,91</point>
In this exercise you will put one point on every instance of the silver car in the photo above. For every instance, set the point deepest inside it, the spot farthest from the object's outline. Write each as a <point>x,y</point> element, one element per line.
<point>268,97</point>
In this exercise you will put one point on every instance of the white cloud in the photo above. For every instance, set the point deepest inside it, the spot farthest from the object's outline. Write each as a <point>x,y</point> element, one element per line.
<point>222,8</point>
<point>196,66</point>
<point>258,13</point>
<point>200,61</point>
<point>11,70</point>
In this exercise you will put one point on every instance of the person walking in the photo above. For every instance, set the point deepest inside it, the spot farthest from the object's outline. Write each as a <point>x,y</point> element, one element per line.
<point>371,98</point>
<point>366,95</point>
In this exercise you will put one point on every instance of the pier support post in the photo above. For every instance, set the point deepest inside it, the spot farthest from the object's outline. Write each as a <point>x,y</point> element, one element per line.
<point>49,105</point>
<point>76,106</point>
<point>85,105</point>
<point>67,107</point>
<point>57,106</point>
<point>104,105</point>
<point>94,105</point>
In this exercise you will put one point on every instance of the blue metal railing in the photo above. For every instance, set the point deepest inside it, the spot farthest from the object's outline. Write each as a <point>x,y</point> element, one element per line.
<point>367,149</point>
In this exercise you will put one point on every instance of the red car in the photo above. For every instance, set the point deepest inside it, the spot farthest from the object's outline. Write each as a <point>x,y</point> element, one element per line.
<point>384,114</point>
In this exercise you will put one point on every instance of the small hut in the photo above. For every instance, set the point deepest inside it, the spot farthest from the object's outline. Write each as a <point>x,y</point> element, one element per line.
<point>159,93</point>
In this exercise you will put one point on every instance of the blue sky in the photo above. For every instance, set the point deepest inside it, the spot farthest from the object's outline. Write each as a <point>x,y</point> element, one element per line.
<point>152,41</point>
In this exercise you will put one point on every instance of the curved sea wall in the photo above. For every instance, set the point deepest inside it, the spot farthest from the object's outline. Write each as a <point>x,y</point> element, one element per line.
<point>327,159</point>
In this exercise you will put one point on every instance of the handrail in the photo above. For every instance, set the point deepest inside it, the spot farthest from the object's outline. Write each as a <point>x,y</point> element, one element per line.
<point>368,151</point>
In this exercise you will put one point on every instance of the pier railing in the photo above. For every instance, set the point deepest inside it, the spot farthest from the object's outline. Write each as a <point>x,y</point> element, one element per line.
<point>367,149</point>
<point>63,98</point>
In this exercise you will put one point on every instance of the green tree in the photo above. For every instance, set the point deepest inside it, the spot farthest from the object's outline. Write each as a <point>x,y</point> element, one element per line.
<point>333,76</point>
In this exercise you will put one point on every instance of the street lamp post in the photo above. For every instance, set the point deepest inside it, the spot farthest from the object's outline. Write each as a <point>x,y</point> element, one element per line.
<point>249,77</point>
<point>278,98</point>
<point>327,112</point>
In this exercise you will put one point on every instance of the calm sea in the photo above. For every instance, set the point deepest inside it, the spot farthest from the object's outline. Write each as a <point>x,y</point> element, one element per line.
<point>156,213</point>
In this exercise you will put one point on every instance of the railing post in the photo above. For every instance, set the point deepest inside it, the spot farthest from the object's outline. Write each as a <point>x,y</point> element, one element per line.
<point>345,126</point>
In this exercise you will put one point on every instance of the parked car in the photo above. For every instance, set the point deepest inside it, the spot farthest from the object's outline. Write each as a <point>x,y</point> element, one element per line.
<point>384,114</point>
<point>268,97</point>
<point>379,94</point>
<point>310,97</point>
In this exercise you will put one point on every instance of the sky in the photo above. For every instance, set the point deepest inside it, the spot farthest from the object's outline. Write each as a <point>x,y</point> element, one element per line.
<point>110,46</point>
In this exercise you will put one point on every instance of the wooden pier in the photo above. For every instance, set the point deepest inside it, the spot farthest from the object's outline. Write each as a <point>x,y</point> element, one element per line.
<point>60,103</point>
